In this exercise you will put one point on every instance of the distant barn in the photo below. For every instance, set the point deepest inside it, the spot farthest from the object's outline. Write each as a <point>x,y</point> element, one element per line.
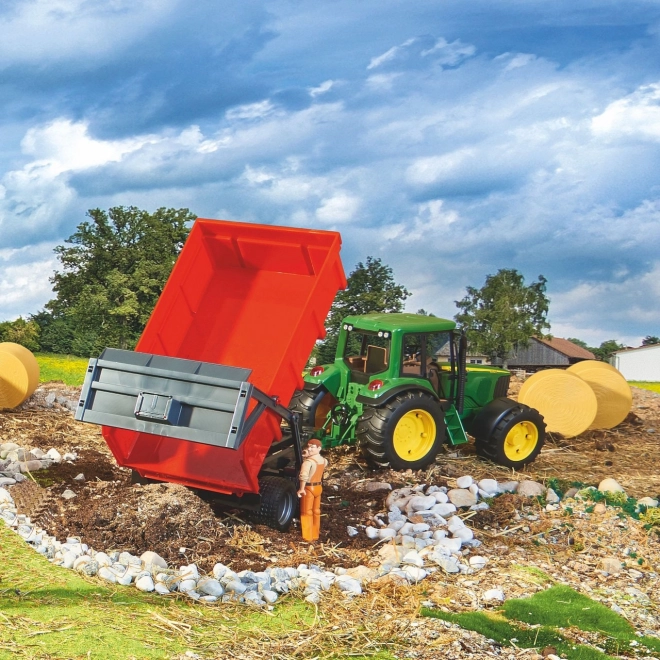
<point>641,363</point>
<point>548,353</point>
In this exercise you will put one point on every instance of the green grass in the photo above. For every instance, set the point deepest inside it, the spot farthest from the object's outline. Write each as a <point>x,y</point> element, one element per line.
<point>645,385</point>
<point>66,368</point>
<point>549,612</point>
<point>49,612</point>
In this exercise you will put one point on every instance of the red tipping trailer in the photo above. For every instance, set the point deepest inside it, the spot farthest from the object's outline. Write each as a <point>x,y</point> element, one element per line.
<point>243,296</point>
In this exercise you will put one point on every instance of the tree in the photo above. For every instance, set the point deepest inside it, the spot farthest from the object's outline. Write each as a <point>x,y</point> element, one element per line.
<point>20,331</point>
<point>503,313</point>
<point>111,277</point>
<point>371,288</point>
<point>606,349</point>
<point>650,340</point>
<point>579,342</point>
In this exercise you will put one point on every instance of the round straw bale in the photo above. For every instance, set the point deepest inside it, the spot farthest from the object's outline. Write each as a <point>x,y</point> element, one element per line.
<point>567,403</point>
<point>612,392</point>
<point>19,374</point>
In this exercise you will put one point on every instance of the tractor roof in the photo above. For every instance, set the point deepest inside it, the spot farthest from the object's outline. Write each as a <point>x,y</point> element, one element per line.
<point>405,322</point>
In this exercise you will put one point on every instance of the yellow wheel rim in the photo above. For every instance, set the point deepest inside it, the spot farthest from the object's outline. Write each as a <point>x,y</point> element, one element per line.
<point>520,441</point>
<point>414,435</point>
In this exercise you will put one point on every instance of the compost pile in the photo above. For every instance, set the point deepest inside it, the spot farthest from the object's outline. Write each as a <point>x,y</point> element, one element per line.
<point>109,512</point>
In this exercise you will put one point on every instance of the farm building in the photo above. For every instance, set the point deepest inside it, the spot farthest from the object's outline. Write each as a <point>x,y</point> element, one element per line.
<point>641,363</point>
<point>542,353</point>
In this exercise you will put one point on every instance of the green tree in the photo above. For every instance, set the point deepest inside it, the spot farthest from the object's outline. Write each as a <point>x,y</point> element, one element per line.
<point>650,340</point>
<point>606,349</point>
<point>503,313</point>
<point>371,288</point>
<point>112,274</point>
<point>21,331</point>
<point>579,342</point>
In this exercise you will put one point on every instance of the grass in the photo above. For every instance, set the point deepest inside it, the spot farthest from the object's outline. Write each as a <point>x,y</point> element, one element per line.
<point>645,385</point>
<point>66,368</point>
<point>49,612</point>
<point>545,615</point>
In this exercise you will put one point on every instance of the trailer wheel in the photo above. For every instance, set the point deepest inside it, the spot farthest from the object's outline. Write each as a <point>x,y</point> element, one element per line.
<point>406,432</point>
<point>312,406</point>
<point>279,503</point>
<point>517,438</point>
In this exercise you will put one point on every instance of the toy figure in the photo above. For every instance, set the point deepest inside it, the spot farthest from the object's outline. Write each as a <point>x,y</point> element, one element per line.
<point>311,475</point>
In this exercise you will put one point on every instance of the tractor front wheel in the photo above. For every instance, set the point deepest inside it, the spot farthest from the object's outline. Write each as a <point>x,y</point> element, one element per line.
<point>313,406</point>
<point>404,433</point>
<point>516,440</point>
<point>279,503</point>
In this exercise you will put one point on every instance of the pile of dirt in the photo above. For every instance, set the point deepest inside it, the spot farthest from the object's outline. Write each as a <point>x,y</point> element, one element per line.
<point>110,512</point>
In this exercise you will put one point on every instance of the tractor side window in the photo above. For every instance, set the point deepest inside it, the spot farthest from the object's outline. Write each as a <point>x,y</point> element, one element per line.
<point>367,353</point>
<point>422,355</point>
<point>412,356</point>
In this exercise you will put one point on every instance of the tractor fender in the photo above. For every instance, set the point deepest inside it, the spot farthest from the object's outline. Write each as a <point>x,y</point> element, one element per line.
<point>490,416</point>
<point>391,393</point>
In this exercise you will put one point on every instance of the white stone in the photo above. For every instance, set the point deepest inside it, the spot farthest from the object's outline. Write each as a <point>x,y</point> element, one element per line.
<point>219,571</point>
<point>648,502</point>
<point>477,562</point>
<point>551,497</point>
<point>508,486</point>
<point>349,585</point>
<point>106,574</point>
<point>474,489</point>
<point>443,509</point>
<point>145,583</point>
<point>464,482</point>
<point>421,503</point>
<point>7,481</point>
<point>489,486</point>
<point>5,497</point>
<point>440,497</point>
<point>610,485</point>
<point>455,523</point>
<point>417,528</point>
<point>70,456</point>
<point>190,572</point>
<point>397,494</point>
<point>79,477</point>
<point>371,532</point>
<point>189,585</point>
<point>447,564</point>
<point>269,596</point>
<point>459,497</point>
<point>236,586</point>
<point>150,558</point>
<point>453,545</point>
<point>530,489</point>
<point>397,525</point>
<point>414,574</point>
<point>408,541</point>
<point>351,531</point>
<point>413,559</point>
<point>439,534</point>
<point>611,565</point>
<point>493,594</point>
<point>386,533</point>
<point>210,587</point>
<point>102,559</point>
<point>464,533</point>
<point>68,494</point>
<point>54,455</point>
<point>161,589</point>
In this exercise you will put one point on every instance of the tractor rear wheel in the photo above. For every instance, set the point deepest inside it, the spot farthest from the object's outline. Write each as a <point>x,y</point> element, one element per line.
<point>406,432</point>
<point>312,406</point>
<point>279,503</point>
<point>516,440</point>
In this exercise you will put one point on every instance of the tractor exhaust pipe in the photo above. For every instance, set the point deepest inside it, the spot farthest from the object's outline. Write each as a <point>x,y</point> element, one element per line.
<point>462,371</point>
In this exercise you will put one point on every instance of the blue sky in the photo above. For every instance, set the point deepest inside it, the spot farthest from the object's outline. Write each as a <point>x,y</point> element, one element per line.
<point>451,138</point>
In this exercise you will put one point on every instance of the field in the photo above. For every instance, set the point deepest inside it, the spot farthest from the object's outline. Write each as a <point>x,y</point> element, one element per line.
<point>68,369</point>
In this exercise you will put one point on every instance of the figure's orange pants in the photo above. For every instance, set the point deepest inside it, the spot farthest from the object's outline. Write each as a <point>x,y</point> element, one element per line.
<point>310,513</point>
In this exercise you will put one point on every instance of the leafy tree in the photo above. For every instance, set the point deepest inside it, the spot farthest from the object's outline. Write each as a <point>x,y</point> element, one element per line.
<point>650,340</point>
<point>579,342</point>
<point>606,349</point>
<point>20,331</point>
<point>503,313</point>
<point>371,288</point>
<point>111,277</point>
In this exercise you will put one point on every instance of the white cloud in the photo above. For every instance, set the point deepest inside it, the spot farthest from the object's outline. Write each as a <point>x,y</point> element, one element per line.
<point>340,208</point>
<point>635,115</point>
<point>389,55</point>
<point>322,88</point>
<point>251,111</point>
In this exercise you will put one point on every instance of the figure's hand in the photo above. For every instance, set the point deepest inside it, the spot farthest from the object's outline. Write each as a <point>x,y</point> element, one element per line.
<point>301,492</point>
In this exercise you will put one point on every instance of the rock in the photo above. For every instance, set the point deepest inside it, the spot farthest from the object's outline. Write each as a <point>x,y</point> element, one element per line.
<point>30,466</point>
<point>102,559</point>
<point>313,597</point>
<point>421,503</point>
<point>68,494</point>
<point>349,585</point>
<point>610,485</point>
<point>37,453</point>
<point>460,497</point>
<point>397,524</point>
<point>600,508</point>
<point>447,564</point>
<point>210,587</point>
<point>439,534</point>
<point>611,565</point>
<point>413,559</point>
<point>106,574</point>
<point>464,533</point>
<point>219,571</point>
<point>395,515</point>
<point>444,510</point>
<point>371,532</point>
<point>235,586</point>
<point>150,558</point>
<point>530,489</point>
<point>489,486</point>
<point>79,477</point>
<point>386,533</point>
<point>648,502</point>
<point>455,523</point>
<point>161,589</point>
<point>440,497</point>
<point>414,574</point>
<point>145,583</point>
<point>190,572</point>
<point>351,531</point>
<point>417,528</point>
<point>269,596</point>
<point>70,456</point>
<point>54,455</point>
<point>5,497</point>
<point>508,486</point>
<point>477,562</point>
<point>397,494</point>
<point>464,482</point>
<point>551,497</point>
<point>571,492</point>
<point>452,545</point>
<point>493,594</point>
<point>372,486</point>
<point>362,574</point>
<point>482,506</point>
<point>389,554</point>
<point>189,585</point>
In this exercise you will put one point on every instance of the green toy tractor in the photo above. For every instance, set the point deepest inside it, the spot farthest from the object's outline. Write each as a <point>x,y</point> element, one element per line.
<point>399,388</point>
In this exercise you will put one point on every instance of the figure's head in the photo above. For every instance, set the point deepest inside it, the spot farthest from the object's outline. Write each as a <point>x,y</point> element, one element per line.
<point>313,447</point>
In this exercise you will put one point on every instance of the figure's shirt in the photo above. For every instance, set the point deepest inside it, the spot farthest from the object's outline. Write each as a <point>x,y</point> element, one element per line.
<point>309,468</point>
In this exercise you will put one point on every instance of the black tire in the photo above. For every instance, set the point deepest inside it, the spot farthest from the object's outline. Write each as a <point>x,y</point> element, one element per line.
<point>527,430</point>
<point>279,503</point>
<point>306,403</point>
<point>376,427</point>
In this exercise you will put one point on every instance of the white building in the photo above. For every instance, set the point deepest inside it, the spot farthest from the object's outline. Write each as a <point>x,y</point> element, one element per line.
<point>638,363</point>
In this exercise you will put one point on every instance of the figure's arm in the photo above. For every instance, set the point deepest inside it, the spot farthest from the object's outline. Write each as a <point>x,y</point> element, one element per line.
<point>305,473</point>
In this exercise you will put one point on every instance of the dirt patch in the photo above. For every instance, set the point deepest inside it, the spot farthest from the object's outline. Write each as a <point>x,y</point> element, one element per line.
<point>110,512</point>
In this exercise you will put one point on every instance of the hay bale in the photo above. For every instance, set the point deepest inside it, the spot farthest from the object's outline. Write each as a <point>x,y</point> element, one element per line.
<point>567,403</point>
<point>612,391</point>
<point>19,374</point>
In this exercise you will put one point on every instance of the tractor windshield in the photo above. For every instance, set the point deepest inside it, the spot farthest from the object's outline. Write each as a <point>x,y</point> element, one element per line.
<point>366,352</point>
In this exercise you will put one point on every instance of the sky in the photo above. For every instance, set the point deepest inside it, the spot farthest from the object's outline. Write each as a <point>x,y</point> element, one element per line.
<point>450,138</point>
